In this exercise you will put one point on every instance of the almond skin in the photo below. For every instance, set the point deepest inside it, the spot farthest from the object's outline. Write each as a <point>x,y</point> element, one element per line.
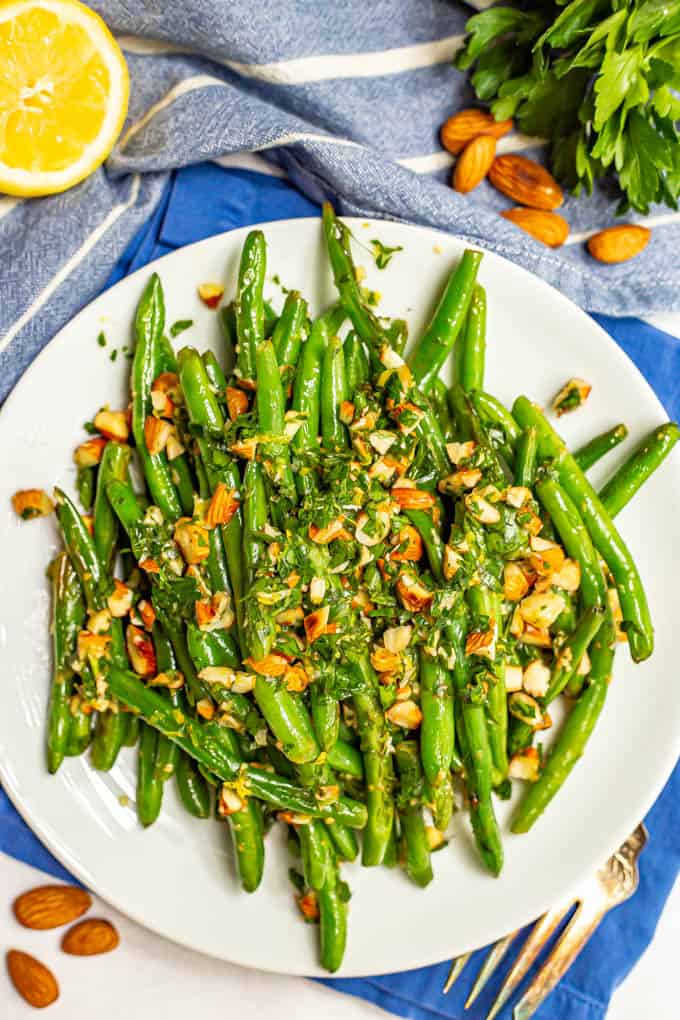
<point>618,244</point>
<point>547,227</point>
<point>49,906</point>
<point>90,937</point>
<point>526,182</point>
<point>474,163</point>
<point>468,124</point>
<point>33,981</point>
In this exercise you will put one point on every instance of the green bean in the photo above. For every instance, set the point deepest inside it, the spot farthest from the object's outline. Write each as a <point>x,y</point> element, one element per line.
<point>589,454</point>
<point>473,347</point>
<point>289,333</point>
<point>131,734</point>
<point>325,712</point>
<point>635,471</point>
<point>440,800</point>
<point>196,690</point>
<point>216,563</point>
<point>210,745</point>
<point>149,323</point>
<point>249,307</point>
<point>247,830</point>
<point>149,785</point>
<point>114,464</point>
<point>606,539</point>
<point>430,533</point>
<point>492,412</point>
<point>391,855</point>
<point>167,753</point>
<point>270,319</point>
<point>487,604</point>
<point>364,322</point>
<point>193,790</point>
<point>332,899</point>
<point>307,401</point>
<point>473,739</point>
<point>213,370</point>
<point>180,475</point>
<point>288,719</point>
<point>270,418</point>
<point>377,764</point>
<point>85,486</point>
<point>344,841</point>
<point>68,613</point>
<point>440,406</point>
<point>437,729</point>
<point>525,458</point>
<point>409,804</point>
<point>315,859</point>
<point>346,759</point>
<point>437,342</point>
<point>356,363</point>
<point>333,393</point>
<point>227,321</point>
<point>396,334</point>
<point>82,552</point>
<point>212,648</point>
<point>79,733</point>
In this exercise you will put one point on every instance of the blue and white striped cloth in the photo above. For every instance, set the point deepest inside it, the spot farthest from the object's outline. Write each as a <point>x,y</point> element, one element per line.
<point>346,98</point>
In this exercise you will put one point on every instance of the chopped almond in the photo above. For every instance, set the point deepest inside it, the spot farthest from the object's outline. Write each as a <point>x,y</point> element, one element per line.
<point>413,594</point>
<point>162,404</point>
<point>272,664</point>
<point>572,395</point>
<point>397,639</point>
<point>542,609</point>
<point>383,660</point>
<point>435,838</point>
<point>90,453</point>
<point>460,451</point>
<point>237,402</point>
<point>113,424</point>
<point>517,496</point>
<point>211,294</point>
<point>168,383</point>
<point>405,714</point>
<point>459,481</point>
<point>615,605</point>
<point>370,532</point>
<point>317,590</point>
<point>173,680</point>
<point>523,706</point>
<point>222,675</point>
<point>452,561</point>
<point>479,642</point>
<point>156,433</point>
<point>150,565</point>
<point>205,709</point>
<point>515,584</point>
<point>245,449</point>
<point>413,499</point>
<point>173,446</point>
<point>99,622</point>
<point>322,536</point>
<point>147,613</point>
<point>536,678</point>
<point>30,503</point>
<point>513,678</point>
<point>409,544</point>
<point>547,560</point>
<point>141,651</point>
<point>296,679</point>
<point>222,507</point>
<point>309,906</point>
<point>192,539</point>
<point>229,802</point>
<point>346,412</point>
<point>120,599</point>
<point>568,577</point>
<point>481,509</point>
<point>92,646</point>
<point>315,623</point>
<point>215,613</point>
<point>535,636</point>
<point>533,524</point>
<point>525,764</point>
<point>88,521</point>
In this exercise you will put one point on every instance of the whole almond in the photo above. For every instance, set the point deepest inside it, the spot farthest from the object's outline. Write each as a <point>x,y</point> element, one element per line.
<point>468,124</point>
<point>32,979</point>
<point>618,244</point>
<point>49,906</point>
<point>90,937</point>
<point>547,227</point>
<point>473,164</point>
<point>526,182</point>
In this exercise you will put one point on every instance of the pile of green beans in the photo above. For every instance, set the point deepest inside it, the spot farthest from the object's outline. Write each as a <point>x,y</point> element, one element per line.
<point>347,594</point>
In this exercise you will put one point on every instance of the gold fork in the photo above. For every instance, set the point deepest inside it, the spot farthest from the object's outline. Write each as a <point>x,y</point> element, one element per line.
<point>611,884</point>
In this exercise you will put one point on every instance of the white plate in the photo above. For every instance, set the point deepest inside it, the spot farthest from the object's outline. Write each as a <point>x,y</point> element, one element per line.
<point>177,878</point>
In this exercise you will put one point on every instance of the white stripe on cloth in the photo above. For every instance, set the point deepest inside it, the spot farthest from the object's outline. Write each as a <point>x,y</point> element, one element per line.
<point>249,161</point>
<point>662,220</point>
<point>434,161</point>
<point>7,204</point>
<point>324,67</point>
<point>198,81</point>
<point>72,263</point>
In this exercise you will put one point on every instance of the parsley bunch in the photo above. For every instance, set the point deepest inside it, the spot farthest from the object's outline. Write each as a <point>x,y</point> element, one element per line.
<point>595,77</point>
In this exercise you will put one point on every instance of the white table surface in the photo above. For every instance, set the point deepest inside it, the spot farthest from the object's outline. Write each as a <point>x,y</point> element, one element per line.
<point>147,977</point>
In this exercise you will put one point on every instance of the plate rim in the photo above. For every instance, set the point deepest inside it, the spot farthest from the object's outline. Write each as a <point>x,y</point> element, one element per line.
<point>518,918</point>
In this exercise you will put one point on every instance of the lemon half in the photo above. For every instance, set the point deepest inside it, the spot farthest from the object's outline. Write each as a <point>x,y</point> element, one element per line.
<point>63,95</point>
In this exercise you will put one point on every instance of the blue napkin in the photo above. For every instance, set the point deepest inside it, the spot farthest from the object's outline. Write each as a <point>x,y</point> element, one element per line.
<point>204,200</point>
<point>349,97</point>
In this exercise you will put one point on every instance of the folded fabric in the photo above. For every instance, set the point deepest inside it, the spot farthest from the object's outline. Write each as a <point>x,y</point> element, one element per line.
<point>203,200</point>
<point>348,97</point>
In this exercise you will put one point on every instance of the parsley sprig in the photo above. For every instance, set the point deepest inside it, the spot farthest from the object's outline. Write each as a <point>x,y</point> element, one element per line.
<point>595,77</point>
